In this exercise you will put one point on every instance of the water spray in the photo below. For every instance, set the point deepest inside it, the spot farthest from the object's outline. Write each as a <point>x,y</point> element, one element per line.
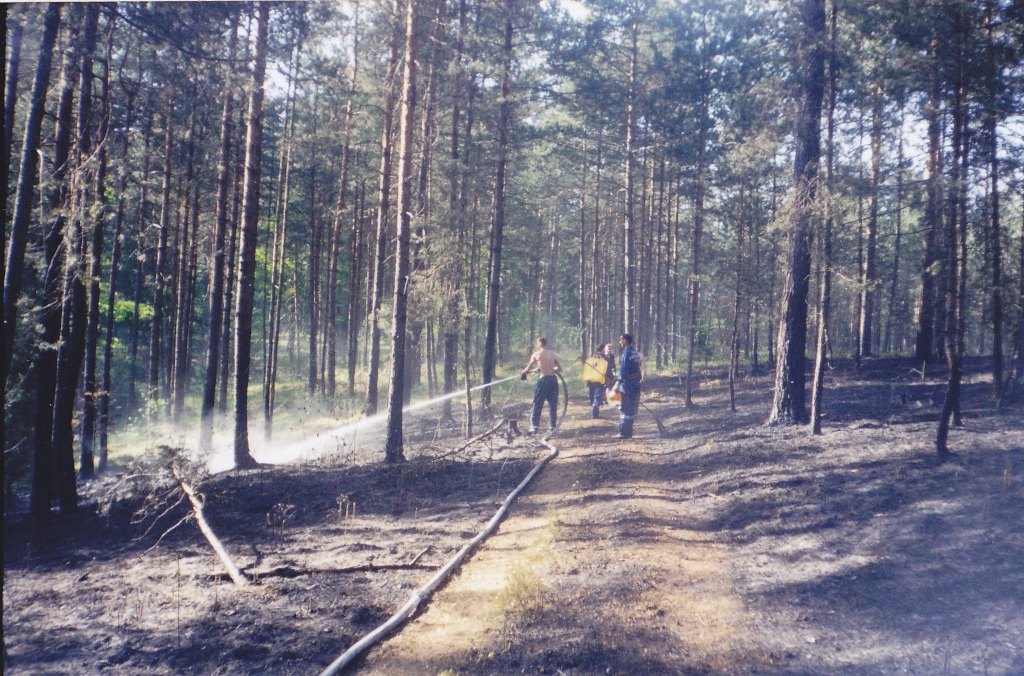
<point>223,460</point>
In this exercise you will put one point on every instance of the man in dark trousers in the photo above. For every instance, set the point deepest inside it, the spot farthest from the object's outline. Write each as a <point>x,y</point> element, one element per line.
<point>547,386</point>
<point>628,384</point>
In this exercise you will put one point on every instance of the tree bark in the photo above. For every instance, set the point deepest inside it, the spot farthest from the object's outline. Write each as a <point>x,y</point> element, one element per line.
<point>697,234</point>
<point>869,280</point>
<point>213,347</point>
<point>380,251</point>
<point>393,450</point>
<point>498,216</point>
<point>734,342</point>
<point>1019,349</point>
<point>155,352</point>
<point>45,477</point>
<point>956,247</point>
<point>581,287</point>
<point>355,297</point>
<point>103,420</point>
<point>825,297</point>
<point>339,216</point>
<point>789,399</point>
<point>227,335</point>
<point>26,187</point>
<point>8,75</point>
<point>182,314</point>
<point>995,234</point>
<point>453,284</point>
<point>925,343</point>
<point>629,255</point>
<point>73,311</point>
<point>278,249</point>
<point>891,343</point>
<point>247,245</point>
<point>90,404</point>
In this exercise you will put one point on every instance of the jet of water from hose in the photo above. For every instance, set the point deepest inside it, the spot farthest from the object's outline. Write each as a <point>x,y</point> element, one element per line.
<point>318,444</point>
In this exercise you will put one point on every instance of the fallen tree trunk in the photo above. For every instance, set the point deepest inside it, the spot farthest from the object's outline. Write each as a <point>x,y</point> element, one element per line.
<point>237,576</point>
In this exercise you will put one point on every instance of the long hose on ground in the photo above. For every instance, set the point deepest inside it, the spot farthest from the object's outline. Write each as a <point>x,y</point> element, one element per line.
<point>423,593</point>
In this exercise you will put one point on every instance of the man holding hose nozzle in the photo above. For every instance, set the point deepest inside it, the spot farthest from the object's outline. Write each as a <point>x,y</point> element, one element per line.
<point>628,384</point>
<point>547,386</point>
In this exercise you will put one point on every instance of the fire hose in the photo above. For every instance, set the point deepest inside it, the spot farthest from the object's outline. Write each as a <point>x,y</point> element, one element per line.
<point>423,593</point>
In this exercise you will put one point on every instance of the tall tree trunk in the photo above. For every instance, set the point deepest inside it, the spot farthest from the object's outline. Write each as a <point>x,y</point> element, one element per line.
<point>339,219</point>
<point>415,339</point>
<point>182,314</point>
<point>227,335</point>
<point>581,288</point>
<point>925,343</point>
<point>140,266</point>
<point>869,280</point>
<point>891,344</point>
<point>355,297</point>
<point>1019,349</point>
<point>45,467</point>
<point>213,347</point>
<point>629,255</point>
<point>956,246</point>
<point>115,263</point>
<point>698,230</point>
<point>788,404</point>
<point>278,249</point>
<point>995,234</point>
<point>313,297</point>
<point>825,289</point>
<point>393,451</point>
<point>155,352</point>
<point>657,316</point>
<point>380,250</point>
<point>734,342</point>
<point>247,245</point>
<point>26,187</point>
<point>673,302</point>
<point>453,284</point>
<point>8,75</point>
<point>90,404</point>
<point>498,216</point>
<point>73,311</point>
<point>595,247</point>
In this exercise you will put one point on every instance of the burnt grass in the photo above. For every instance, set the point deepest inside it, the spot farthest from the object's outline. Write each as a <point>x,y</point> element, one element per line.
<point>332,551</point>
<point>854,551</point>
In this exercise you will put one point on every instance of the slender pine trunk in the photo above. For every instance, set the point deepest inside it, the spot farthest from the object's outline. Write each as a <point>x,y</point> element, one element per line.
<point>247,245</point>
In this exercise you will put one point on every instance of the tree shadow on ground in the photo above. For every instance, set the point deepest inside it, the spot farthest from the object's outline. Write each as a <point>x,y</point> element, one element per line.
<point>268,503</point>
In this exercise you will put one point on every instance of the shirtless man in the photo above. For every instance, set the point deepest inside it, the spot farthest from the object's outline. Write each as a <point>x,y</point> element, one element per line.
<point>547,385</point>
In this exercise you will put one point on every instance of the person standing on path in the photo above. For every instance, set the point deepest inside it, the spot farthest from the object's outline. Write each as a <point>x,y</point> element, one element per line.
<point>596,371</point>
<point>547,385</point>
<point>628,384</point>
<point>608,352</point>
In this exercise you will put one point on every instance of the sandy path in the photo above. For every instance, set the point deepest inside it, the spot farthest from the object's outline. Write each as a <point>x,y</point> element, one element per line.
<point>569,551</point>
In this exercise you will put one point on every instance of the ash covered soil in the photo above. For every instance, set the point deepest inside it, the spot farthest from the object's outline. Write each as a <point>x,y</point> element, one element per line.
<point>707,544</point>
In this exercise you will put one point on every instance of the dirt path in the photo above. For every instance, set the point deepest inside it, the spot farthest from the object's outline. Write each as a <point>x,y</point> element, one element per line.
<point>599,549</point>
<point>726,547</point>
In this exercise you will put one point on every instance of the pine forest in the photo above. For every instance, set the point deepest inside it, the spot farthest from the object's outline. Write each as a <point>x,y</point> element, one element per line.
<point>274,275</point>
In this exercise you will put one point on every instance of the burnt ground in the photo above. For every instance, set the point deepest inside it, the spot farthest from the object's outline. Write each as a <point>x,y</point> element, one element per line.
<point>715,545</point>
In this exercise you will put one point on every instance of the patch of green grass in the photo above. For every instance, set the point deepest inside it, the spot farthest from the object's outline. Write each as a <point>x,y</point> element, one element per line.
<point>520,599</point>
